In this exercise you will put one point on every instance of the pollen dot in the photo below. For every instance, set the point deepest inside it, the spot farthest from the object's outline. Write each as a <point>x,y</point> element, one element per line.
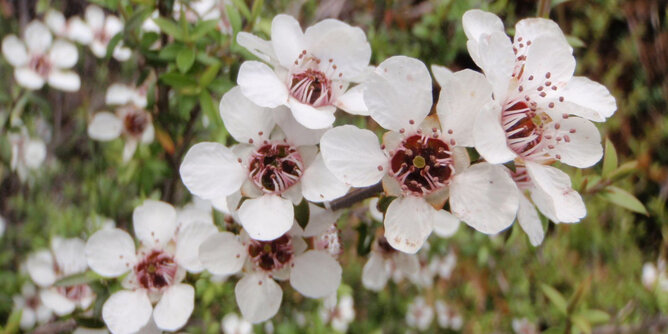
<point>250,141</point>
<point>449,131</point>
<point>531,77</point>
<point>551,105</point>
<point>410,121</point>
<point>380,168</point>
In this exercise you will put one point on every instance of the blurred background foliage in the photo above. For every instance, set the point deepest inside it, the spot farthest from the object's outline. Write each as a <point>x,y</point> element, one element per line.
<point>585,277</point>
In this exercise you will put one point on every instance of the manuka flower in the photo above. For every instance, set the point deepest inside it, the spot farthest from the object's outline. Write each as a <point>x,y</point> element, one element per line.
<point>27,153</point>
<point>104,28</point>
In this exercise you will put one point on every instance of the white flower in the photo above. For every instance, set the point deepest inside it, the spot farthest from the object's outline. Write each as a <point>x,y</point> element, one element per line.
<point>339,314</point>
<point>443,266</point>
<point>33,311</point>
<point>447,317</point>
<point>27,153</point>
<point>524,326</point>
<point>74,28</point>
<point>204,10</point>
<point>104,28</point>
<point>275,172</point>
<point>386,262</point>
<point>419,161</point>
<point>65,258</point>
<point>130,119</point>
<point>38,59</point>
<point>655,275</point>
<point>419,314</point>
<point>312,70</point>
<point>313,273</point>
<point>233,324</point>
<point>156,269</point>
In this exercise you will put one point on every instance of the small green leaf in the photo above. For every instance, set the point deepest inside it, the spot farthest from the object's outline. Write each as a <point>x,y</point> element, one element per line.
<point>610,159</point>
<point>235,18</point>
<point>170,51</point>
<point>581,323</point>
<point>624,170</point>
<point>302,213</point>
<point>595,316</point>
<point>185,60</point>
<point>13,322</point>
<point>76,279</point>
<point>575,42</point>
<point>113,43</point>
<point>169,27</point>
<point>207,104</point>
<point>136,20</point>
<point>555,297</point>
<point>178,80</point>
<point>202,28</point>
<point>208,75</point>
<point>255,10</point>
<point>243,9</point>
<point>624,199</point>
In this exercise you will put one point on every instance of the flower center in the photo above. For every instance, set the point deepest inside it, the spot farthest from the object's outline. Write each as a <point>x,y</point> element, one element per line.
<point>156,271</point>
<point>75,292</point>
<point>311,87</point>
<point>271,255</point>
<point>41,65</point>
<point>135,122</point>
<point>276,167</point>
<point>523,127</point>
<point>521,177</point>
<point>422,164</point>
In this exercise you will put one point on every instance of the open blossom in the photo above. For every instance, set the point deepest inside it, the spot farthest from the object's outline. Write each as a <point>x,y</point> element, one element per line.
<point>655,275</point>
<point>155,270</point>
<point>130,119</point>
<point>419,161</point>
<point>233,324</point>
<point>33,310</point>
<point>274,169</point>
<point>66,257</point>
<point>524,326</point>
<point>311,72</point>
<point>37,59</point>
<point>27,153</point>
<point>201,10</point>
<point>447,316</point>
<point>528,108</point>
<point>339,313</point>
<point>444,265</point>
<point>386,262</point>
<point>419,314</point>
<point>314,273</point>
<point>104,28</point>
<point>74,28</point>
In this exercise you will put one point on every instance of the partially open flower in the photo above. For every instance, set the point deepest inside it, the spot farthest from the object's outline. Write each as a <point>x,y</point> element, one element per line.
<point>386,262</point>
<point>27,153</point>
<point>312,70</point>
<point>37,59</point>
<point>33,311</point>
<point>420,314</point>
<point>340,314</point>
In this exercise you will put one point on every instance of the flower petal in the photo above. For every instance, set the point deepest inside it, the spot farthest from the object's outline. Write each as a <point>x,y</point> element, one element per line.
<point>529,221</point>
<point>60,305</point>
<point>70,255</point>
<point>287,39</point>
<point>67,81</point>
<point>408,222</point>
<point>257,46</point>
<point>319,220</point>
<point>441,74</point>
<point>267,217</point>
<point>315,274</point>
<point>222,254</point>
<point>211,170</point>
<point>127,311</point>
<point>14,51</point>
<point>346,46</point>
<point>28,78</point>
<point>497,60</point>
<point>63,54</point>
<point>188,242</point>
<point>119,94</point>
<point>553,195</point>
<point>398,92</point>
<point>319,184</point>
<point>105,126</point>
<point>129,149</point>
<point>244,120</point>
<point>485,197</point>
<point>295,132</point>
<point>528,30</point>
<point>445,224</point>
<point>110,252</point>
<point>37,37</point>
<point>489,136</point>
<point>353,155</point>
<point>579,143</point>
<point>260,84</point>
<point>154,223</point>
<point>374,275</point>
<point>258,296</point>
<point>312,117</point>
<point>175,307</point>
<point>79,31</point>
<point>352,101</point>
<point>41,268</point>
<point>94,17</point>
<point>591,100</point>
<point>477,22</point>
<point>549,55</point>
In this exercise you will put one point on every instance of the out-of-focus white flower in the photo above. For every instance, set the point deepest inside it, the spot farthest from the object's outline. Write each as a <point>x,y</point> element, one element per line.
<point>130,119</point>
<point>96,223</point>
<point>27,153</point>
<point>274,170</point>
<point>74,28</point>
<point>33,311</point>
<point>443,266</point>
<point>653,275</point>
<point>524,326</point>
<point>386,262</point>
<point>37,59</point>
<point>340,314</point>
<point>3,225</point>
<point>312,70</point>
<point>204,10</point>
<point>104,28</point>
<point>156,269</point>
<point>419,314</point>
<point>66,257</point>
<point>313,273</point>
<point>233,324</point>
<point>419,162</point>
<point>269,327</point>
<point>448,317</point>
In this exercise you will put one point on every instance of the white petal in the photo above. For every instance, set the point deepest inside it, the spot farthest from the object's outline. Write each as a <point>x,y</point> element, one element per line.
<point>211,170</point>
<point>37,37</point>
<point>122,53</point>
<point>187,246</point>
<point>489,136</point>
<point>28,78</point>
<point>583,148</point>
<point>398,92</point>
<point>175,307</point>
<point>112,25</point>
<point>485,197</point>
<point>260,84</point>
<point>593,101</point>
<point>295,132</point>
<point>41,268</point>
<point>70,256</point>
<point>374,275</point>
<point>222,254</point>
<point>119,94</point>
<point>409,264</point>
<point>353,155</point>
<point>345,45</point>
<point>319,184</point>
<point>445,224</point>
<point>532,28</point>
<point>352,101</point>
<point>67,81</point>
<point>129,149</point>
<point>148,135</point>
<point>58,303</point>
<point>94,17</point>
<point>267,217</point>
<point>243,119</point>
<point>319,220</point>
<point>477,22</point>
<point>553,195</point>
<point>105,126</point>
<point>154,223</point>
<point>110,252</point>
<point>408,222</point>
<point>311,117</point>
<point>549,55</point>
<point>441,74</point>
<point>497,60</point>
<point>14,51</point>
<point>287,39</point>
<point>315,274</point>
<point>63,54</point>
<point>79,31</point>
<point>127,311</point>
<point>529,221</point>
<point>35,153</point>
<point>258,296</point>
<point>463,95</point>
<point>257,46</point>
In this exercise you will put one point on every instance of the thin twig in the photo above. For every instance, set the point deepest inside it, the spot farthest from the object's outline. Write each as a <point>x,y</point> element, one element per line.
<point>355,196</point>
<point>66,326</point>
<point>543,9</point>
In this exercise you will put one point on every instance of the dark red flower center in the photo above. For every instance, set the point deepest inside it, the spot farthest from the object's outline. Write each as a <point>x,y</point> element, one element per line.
<point>271,255</point>
<point>156,271</point>
<point>276,167</point>
<point>422,164</point>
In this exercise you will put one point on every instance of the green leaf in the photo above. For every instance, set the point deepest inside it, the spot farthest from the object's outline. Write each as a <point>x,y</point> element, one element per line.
<point>302,213</point>
<point>169,27</point>
<point>113,43</point>
<point>624,170</point>
<point>595,316</point>
<point>555,297</point>
<point>202,28</point>
<point>581,323</point>
<point>136,20</point>
<point>255,10</point>
<point>170,51</point>
<point>178,80</point>
<point>185,60</point>
<point>76,279</point>
<point>624,199</point>
<point>610,159</point>
<point>575,42</point>
<point>241,6</point>
<point>208,75</point>
<point>207,104</point>
<point>13,322</point>
<point>235,18</point>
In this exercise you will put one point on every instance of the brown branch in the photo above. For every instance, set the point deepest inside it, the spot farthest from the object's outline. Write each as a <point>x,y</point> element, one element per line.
<point>65,326</point>
<point>355,196</point>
